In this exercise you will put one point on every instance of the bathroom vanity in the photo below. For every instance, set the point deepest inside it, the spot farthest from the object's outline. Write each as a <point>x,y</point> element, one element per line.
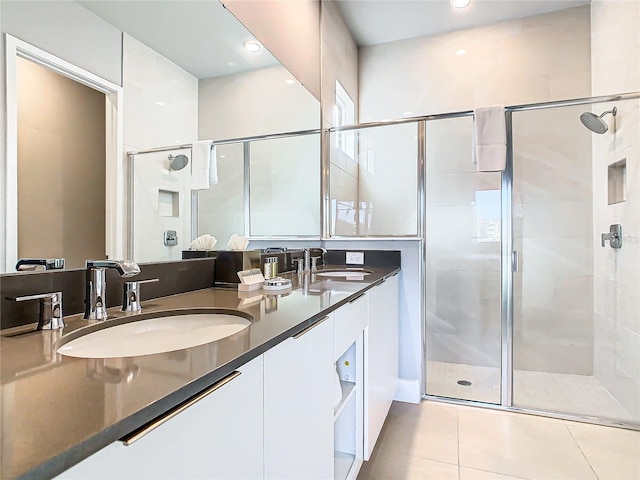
<point>265,402</point>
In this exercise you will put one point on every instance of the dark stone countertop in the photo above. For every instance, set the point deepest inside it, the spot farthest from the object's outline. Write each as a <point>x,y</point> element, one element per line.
<point>57,410</point>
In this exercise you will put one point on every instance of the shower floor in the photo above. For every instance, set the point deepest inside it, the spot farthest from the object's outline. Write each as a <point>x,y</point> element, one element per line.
<point>558,392</point>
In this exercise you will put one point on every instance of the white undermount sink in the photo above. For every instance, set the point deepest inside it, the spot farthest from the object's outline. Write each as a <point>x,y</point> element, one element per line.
<point>154,335</point>
<point>353,274</point>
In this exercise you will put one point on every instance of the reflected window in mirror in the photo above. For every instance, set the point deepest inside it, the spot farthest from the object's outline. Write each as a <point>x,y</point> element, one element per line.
<point>345,114</point>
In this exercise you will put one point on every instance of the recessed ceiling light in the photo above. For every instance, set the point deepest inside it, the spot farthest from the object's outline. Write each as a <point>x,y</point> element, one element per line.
<point>407,113</point>
<point>222,156</point>
<point>160,103</point>
<point>230,63</point>
<point>461,51</point>
<point>290,81</point>
<point>252,46</point>
<point>459,3</point>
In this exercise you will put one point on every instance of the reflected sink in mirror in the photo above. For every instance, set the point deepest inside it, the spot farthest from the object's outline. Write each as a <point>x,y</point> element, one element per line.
<point>348,274</point>
<point>148,336</point>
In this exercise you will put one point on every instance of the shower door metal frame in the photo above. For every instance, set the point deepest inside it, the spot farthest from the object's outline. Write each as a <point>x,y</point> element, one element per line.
<point>507,270</point>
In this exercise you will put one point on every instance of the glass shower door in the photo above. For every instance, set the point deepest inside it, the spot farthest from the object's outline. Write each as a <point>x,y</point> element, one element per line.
<point>576,305</point>
<point>463,277</point>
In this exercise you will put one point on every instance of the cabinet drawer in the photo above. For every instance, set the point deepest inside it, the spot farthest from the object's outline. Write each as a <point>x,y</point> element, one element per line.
<point>351,320</point>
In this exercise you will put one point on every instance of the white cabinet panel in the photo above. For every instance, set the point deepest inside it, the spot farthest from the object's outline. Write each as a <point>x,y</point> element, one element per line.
<point>219,437</point>
<point>298,406</point>
<point>351,320</point>
<point>381,359</point>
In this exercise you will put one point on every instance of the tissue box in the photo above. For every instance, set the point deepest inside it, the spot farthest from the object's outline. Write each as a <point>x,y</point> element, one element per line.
<point>230,262</point>
<point>186,254</point>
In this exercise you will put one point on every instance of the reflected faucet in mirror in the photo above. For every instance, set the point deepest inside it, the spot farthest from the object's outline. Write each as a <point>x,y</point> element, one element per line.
<point>26,264</point>
<point>96,285</point>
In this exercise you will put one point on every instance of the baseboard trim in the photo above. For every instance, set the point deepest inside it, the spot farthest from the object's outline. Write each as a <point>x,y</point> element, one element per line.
<point>408,391</point>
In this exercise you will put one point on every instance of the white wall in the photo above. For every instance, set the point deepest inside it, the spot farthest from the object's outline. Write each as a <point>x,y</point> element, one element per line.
<point>160,109</point>
<point>290,30</point>
<point>615,50</point>
<point>66,30</point>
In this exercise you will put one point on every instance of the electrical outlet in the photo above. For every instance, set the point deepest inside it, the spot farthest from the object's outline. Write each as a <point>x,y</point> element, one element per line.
<point>355,258</point>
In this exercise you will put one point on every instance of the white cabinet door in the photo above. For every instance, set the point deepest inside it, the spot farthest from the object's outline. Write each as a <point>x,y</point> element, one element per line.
<point>298,406</point>
<point>219,437</point>
<point>381,359</point>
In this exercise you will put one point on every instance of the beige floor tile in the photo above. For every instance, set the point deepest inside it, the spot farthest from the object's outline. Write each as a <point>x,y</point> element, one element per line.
<point>614,453</point>
<point>519,445</point>
<point>428,431</point>
<point>395,466</point>
<point>473,474</point>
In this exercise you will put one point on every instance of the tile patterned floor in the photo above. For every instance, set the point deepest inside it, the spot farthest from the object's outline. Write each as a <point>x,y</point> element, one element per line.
<point>579,394</point>
<point>437,441</point>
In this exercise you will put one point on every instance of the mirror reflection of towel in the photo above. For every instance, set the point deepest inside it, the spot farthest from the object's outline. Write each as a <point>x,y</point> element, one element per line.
<point>204,165</point>
<point>490,133</point>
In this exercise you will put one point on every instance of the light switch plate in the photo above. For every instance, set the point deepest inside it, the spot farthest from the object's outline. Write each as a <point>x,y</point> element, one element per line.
<point>355,258</point>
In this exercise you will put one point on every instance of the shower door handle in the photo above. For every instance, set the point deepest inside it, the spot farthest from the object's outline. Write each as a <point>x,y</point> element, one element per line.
<point>515,261</point>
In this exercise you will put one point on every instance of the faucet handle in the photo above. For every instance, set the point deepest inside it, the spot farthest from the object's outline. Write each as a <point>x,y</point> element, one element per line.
<point>314,263</point>
<point>300,262</point>
<point>50,317</point>
<point>131,295</point>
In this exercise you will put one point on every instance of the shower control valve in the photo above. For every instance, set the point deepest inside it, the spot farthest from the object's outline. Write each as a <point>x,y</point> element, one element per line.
<point>614,237</point>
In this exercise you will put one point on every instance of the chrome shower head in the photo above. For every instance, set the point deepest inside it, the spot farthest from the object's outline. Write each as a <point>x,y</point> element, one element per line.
<point>595,123</point>
<point>178,162</point>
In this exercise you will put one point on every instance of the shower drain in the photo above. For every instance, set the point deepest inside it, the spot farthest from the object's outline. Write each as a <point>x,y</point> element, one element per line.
<point>464,383</point>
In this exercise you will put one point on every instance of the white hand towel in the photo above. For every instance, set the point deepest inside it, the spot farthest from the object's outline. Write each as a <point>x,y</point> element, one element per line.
<point>200,164</point>
<point>490,131</point>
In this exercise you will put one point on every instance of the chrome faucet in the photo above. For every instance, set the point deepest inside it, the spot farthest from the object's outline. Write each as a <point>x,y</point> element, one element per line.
<point>310,263</point>
<point>96,285</point>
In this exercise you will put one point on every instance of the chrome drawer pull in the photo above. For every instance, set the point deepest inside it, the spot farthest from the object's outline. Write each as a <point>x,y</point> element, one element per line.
<point>153,424</point>
<point>310,327</point>
<point>358,297</point>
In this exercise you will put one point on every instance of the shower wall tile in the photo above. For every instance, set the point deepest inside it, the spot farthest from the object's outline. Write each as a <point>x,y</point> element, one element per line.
<point>572,359</point>
<point>615,46</point>
<point>529,60</point>
<point>616,69</point>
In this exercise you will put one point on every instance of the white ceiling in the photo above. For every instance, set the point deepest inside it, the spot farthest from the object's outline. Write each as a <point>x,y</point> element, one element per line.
<point>201,37</point>
<point>206,40</point>
<point>380,21</point>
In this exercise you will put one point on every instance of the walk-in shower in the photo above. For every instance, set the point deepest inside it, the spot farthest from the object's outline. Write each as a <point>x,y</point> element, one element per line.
<point>524,307</point>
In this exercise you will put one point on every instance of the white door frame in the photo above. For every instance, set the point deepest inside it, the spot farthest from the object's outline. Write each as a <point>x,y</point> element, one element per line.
<point>114,174</point>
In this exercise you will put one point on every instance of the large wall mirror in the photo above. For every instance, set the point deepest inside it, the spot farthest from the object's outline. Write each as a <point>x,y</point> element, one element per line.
<point>189,71</point>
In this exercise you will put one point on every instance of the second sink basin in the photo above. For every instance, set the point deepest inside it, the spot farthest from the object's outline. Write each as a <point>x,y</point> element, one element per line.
<point>352,274</point>
<point>154,335</point>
